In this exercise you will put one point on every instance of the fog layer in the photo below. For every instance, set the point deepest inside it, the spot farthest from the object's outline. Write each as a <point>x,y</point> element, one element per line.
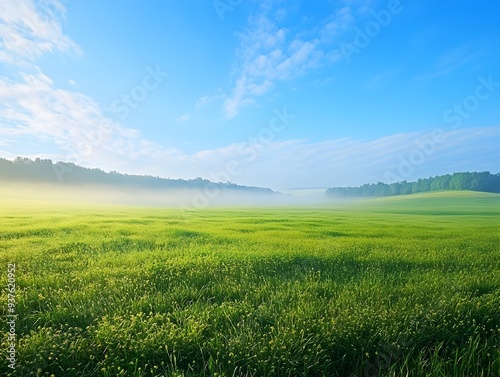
<point>185,198</point>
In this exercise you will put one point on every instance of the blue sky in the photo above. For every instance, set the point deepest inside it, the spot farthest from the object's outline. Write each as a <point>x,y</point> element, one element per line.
<point>270,93</point>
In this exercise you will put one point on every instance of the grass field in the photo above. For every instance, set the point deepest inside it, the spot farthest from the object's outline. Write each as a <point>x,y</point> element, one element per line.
<point>386,287</point>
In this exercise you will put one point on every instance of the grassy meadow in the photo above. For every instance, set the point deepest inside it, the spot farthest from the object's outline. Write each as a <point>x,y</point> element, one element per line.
<point>406,286</point>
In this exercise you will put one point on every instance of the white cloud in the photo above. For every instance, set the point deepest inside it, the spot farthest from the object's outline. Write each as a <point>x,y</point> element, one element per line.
<point>33,108</point>
<point>71,120</point>
<point>205,100</point>
<point>269,54</point>
<point>339,162</point>
<point>451,60</point>
<point>202,102</point>
<point>288,163</point>
<point>182,118</point>
<point>337,23</point>
<point>30,29</point>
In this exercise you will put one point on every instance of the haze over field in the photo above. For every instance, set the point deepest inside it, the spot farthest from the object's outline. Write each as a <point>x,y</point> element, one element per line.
<point>42,180</point>
<point>265,93</point>
<point>25,179</point>
<point>188,199</point>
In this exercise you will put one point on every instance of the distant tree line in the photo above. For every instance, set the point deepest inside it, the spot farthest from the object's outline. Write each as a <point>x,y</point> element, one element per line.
<point>483,181</point>
<point>26,170</point>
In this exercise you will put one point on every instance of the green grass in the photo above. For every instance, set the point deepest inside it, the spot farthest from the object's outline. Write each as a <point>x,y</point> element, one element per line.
<point>386,287</point>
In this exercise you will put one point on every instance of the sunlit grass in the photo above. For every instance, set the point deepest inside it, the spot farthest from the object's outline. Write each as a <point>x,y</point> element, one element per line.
<point>386,287</point>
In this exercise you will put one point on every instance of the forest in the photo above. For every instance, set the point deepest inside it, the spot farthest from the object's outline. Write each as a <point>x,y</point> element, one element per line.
<point>482,181</point>
<point>26,170</point>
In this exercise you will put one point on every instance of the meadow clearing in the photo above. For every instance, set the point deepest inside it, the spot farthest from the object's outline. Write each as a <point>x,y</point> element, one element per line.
<point>385,287</point>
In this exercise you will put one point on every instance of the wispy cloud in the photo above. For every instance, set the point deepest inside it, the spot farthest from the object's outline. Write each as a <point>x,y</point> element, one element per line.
<point>204,100</point>
<point>450,61</point>
<point>77,119</point>
<point>33,107</point>
<point>338,162</point>
<point>269,53</point>
<point>71,120</point>
<point>29,29</point>
<point>182,118</point>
